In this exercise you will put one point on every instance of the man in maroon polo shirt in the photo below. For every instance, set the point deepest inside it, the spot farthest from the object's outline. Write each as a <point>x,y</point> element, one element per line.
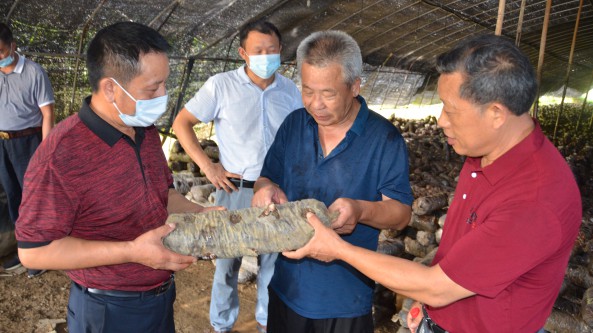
<point>515,215</point>
<point>98,191</point>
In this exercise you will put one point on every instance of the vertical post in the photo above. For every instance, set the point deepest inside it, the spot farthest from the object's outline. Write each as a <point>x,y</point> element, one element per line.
<point>184,83</point>
<point>500,18</point>
<point>7,19</point>
<point>589,87</point>
<point>426,83</point>
<point>542,49</point>
<point>80,45</point>
<point>520,23</point>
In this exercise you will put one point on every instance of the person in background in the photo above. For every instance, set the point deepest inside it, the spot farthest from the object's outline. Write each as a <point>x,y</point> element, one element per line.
<point>27,113</point>
<point>516,210</point>
<point>339,152</point>
<point>247,106</point>
<point>98,192</point>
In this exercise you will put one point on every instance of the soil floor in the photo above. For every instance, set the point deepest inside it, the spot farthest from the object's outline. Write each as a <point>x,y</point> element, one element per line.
<point>38,305</point>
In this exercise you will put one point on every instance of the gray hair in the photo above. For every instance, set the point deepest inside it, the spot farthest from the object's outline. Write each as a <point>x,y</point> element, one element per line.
<point>331,46</point>
<point>494,70</point>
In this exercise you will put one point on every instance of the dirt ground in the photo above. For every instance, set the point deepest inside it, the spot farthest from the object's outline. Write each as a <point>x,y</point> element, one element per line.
<point>38,305</point>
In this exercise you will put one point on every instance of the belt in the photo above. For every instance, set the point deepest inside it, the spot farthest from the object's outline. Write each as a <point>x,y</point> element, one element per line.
<point>246,183</point>
<point>6,135</point>
<point>161,289</point>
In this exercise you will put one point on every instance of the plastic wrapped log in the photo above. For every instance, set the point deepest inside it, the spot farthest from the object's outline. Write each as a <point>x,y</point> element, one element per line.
<point>579,276</point>
<point>428,204</point>
<point>587,307</point>
<point>568,304</point>
<point>245,232</point>
<point>416,249</point>
<point>424,222</point>
<point>427,259</point>
<point>559,321</point>
<point>425,238</point>
<point>179,157</point>
<point>212,152</point>
<point>392,247</point>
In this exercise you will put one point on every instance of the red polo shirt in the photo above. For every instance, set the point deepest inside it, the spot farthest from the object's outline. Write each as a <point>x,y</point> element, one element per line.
<point>90,181</point>
<point>508,237</point>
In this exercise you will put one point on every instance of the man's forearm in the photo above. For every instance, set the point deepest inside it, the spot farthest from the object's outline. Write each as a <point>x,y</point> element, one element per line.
<point>428,285</point>
<point>179,204</point>
<point>74,253</point>
<point>385,214</point>
<point>47,123</point>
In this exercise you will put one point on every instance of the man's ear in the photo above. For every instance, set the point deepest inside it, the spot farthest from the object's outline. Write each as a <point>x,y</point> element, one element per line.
<point>243,53</point>
<point>107,89</point>
<point>356,87</point>
<point>499,114</point>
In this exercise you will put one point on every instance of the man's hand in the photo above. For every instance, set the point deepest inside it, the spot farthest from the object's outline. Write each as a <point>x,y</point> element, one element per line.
<point>148,250</point>
<point>350,213</point>
<point>415,316</point>
<point>219,177</point>
<point>324,246</point>
<point>266,193</point>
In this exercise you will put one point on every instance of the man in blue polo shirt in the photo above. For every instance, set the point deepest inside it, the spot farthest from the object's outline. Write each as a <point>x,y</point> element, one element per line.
<point>247,106</point>
<point>338,151</point>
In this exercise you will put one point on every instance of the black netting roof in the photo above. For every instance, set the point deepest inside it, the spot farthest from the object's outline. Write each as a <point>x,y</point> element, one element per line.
<point>397,37</point>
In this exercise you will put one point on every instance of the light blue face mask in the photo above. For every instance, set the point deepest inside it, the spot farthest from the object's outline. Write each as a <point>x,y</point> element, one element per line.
<point>7,61</point>
<point>264,65</point>
<point>147,110</point>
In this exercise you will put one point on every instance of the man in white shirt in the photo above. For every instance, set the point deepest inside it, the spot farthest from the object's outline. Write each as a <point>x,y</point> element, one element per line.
<point>247,106</point>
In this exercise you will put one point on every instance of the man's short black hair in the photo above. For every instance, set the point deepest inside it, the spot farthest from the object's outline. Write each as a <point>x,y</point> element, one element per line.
<point>6,33</point>
<point>262,26</point>
<point>115,51</point>
<point>494,70</point>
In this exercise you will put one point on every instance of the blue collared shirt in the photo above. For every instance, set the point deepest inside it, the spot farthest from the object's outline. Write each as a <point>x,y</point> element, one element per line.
<point>246,118</point>
<point>371,161</point>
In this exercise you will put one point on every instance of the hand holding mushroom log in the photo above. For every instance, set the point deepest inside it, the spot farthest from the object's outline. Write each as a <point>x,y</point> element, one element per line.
<point>267,192</point>
<point>148,250</point>
<point>244,232</point>
<point>349,215</point>
<point>324,246</point>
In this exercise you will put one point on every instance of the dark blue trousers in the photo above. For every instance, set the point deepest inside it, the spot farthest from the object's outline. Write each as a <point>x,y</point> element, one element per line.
<point>14,159</point>
<point>92,313</point>
<point>282,319</point>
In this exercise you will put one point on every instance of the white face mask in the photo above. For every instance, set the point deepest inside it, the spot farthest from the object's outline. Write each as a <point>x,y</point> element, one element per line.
<point>147,110</point>
<point>264,65</point>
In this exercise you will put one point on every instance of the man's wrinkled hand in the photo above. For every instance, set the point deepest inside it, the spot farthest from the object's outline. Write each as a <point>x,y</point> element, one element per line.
<point>322,245</point>
<point>148,250</point>
<point>349,215</point>
<point>267,195</point>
